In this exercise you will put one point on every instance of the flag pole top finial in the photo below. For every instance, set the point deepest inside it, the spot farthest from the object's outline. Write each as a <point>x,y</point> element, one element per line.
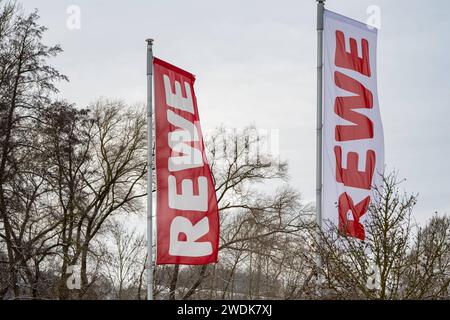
<point>149,40</point>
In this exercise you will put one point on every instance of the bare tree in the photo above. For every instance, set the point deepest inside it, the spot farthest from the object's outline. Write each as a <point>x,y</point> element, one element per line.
<point>251,221</point>
<point>26,81</point>
<point>125,261</point>
<point>397,260</point>
<point>113,181</point>
<point>428,272</point>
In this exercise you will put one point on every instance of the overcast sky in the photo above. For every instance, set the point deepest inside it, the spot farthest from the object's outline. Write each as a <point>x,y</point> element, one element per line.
<point>255,63</point>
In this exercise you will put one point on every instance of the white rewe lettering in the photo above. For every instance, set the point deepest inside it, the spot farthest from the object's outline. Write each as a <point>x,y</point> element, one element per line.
<point>179,143</point>
<point>183,239</point>
<point>176,100</point>
<point>187,200</point>
<point>189,247</point>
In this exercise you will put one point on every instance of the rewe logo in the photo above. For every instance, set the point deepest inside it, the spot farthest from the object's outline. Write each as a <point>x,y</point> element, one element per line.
<point>185,156</point>
<point>350,107</point>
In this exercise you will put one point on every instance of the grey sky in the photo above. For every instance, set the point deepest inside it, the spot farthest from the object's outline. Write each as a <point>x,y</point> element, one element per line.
<point>255,64</point>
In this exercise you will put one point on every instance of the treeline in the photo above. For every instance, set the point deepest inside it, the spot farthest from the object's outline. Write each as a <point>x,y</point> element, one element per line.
<point>72,205</point>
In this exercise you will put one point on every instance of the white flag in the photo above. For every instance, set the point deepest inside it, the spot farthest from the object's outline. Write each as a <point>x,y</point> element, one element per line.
<point>353,143</point>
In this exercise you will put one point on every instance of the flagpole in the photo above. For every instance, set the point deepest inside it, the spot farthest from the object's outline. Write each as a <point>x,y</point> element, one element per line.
<point>149,169</point>
<point>320,13</point>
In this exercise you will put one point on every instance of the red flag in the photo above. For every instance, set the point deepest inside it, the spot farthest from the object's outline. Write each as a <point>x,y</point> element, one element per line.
<point>187,212</point>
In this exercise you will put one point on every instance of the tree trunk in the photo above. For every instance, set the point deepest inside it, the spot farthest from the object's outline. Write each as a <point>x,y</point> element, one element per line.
<point>197,283</point>
<point>173,282</point>
<point>83,271</point>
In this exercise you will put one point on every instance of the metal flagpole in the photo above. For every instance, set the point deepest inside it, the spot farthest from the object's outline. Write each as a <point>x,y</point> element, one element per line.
<point>320,12</point>
<point>149,169</point>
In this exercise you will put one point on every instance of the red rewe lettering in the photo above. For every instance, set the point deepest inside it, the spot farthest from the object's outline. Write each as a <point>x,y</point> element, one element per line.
<point>353,140</point>
<point>352,228</point>
<point>344,107</point>
<point>351,176</point>
<point>360,128</point>
<point>351,60</point>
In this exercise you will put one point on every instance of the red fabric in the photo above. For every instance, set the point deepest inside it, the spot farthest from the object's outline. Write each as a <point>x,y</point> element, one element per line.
<point>352,228</point>
<point>346,107</point>
<point>351,60</point>
<point>176,222</point>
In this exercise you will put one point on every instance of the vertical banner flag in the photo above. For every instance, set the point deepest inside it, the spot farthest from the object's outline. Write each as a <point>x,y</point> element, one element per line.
<point>187,212</point>
<point>353,143</point>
